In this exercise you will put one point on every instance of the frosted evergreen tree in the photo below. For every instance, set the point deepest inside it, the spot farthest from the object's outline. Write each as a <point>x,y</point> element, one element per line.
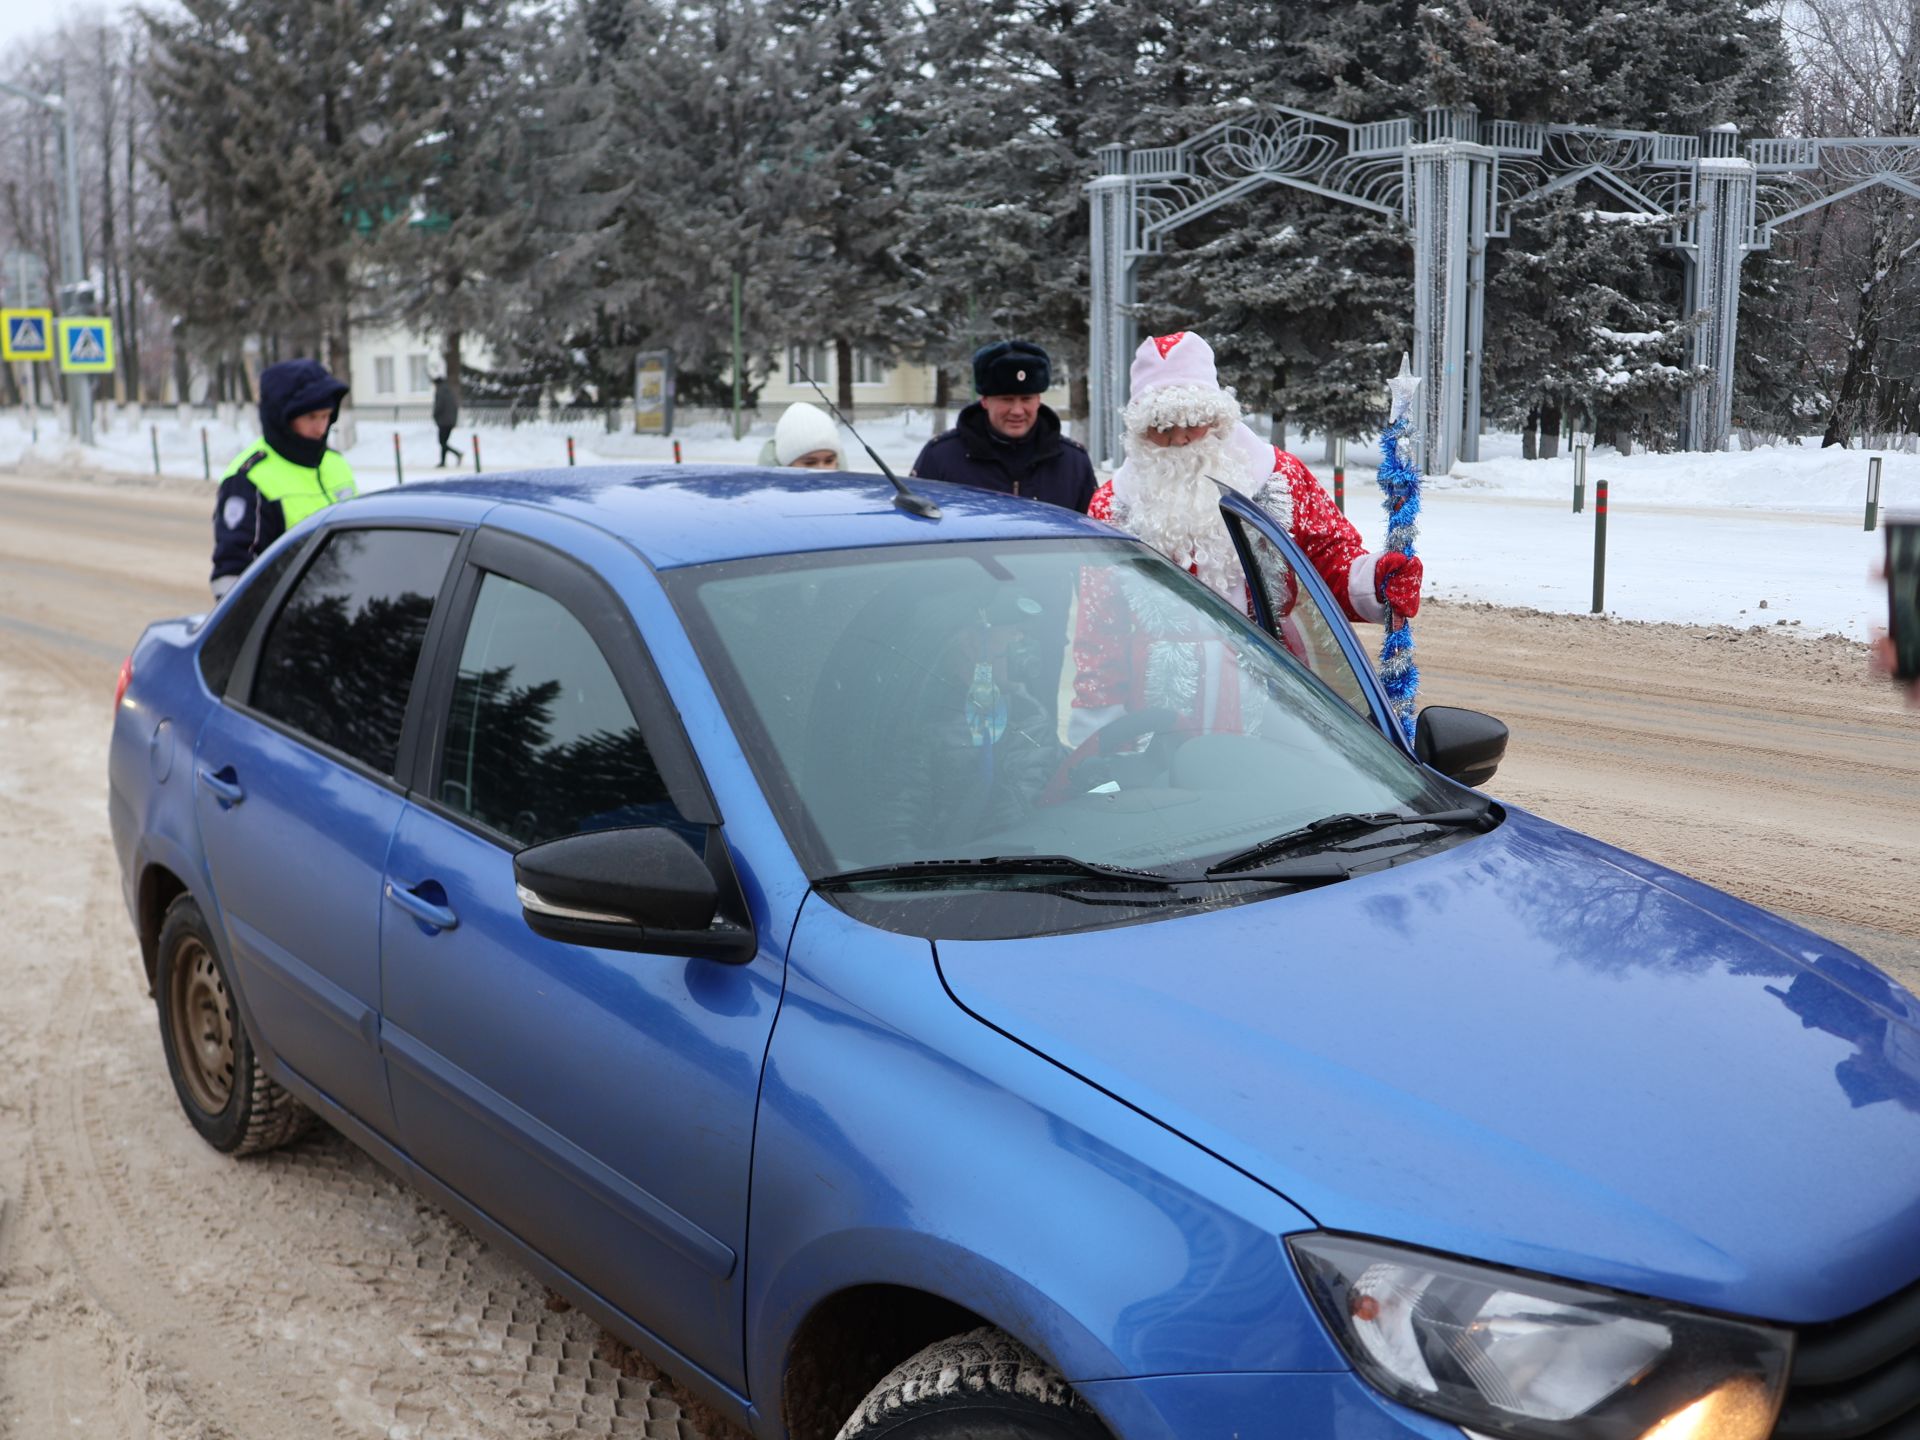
<point>268,144</point>
<point>1578,274</point>
<point>661,175</point>
<point>1006,119</point>
<point>839,196</point>
<point>1591,337</point>
<point>454,213</point>
<point>1009,121</point>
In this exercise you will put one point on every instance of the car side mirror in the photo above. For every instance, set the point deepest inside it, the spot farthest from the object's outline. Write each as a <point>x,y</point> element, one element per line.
<point>1463,745</point>
<point>636,889</point>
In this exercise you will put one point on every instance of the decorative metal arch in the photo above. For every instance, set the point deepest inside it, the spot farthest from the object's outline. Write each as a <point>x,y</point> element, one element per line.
<point>1456,181</point>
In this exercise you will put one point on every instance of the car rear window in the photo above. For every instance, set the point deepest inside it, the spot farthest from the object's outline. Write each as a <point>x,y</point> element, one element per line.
<point>220,651</point>
<point>338,663</point>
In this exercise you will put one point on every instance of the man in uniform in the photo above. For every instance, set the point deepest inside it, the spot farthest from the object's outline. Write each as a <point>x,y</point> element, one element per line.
<point>1007,440</point>
<point>284,476</point>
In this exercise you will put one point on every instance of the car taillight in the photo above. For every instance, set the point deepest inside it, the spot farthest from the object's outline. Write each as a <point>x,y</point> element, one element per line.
<point>126,674</point>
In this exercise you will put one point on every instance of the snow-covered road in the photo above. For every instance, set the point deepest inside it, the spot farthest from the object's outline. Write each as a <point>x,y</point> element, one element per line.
<point>153,1287</point>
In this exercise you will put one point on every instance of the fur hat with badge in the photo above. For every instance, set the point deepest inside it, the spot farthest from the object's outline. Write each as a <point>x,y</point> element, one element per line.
<point>1011,367</point>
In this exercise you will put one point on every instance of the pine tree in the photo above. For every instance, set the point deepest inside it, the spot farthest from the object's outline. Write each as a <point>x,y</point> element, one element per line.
<point>844,151</point>
<point>455,211</point>
<point>661,176</point>
<point>266,126</point>
<point>994,230</point>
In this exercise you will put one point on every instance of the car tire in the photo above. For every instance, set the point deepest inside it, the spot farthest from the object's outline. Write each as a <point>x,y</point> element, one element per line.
<point>215,1072</point>
<point>983,1385</point>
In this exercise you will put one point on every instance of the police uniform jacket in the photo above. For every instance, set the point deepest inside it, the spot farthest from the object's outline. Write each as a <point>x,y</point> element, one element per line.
<point>282,478</point>
<point>1045,465</point>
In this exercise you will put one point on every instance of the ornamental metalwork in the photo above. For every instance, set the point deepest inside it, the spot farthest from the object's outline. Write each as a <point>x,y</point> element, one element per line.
<point>1456,181</point>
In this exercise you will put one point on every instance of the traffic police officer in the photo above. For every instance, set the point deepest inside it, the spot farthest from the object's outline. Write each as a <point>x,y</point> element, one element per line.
<point>1007,440</point>
<point>286,475</point>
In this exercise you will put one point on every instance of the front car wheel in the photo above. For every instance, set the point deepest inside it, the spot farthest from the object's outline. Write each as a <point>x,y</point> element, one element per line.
<point>983,1385</point>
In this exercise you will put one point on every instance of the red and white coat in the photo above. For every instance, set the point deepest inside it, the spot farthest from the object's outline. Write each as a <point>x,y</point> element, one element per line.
<point>1282,486</point>
<point>1121,664</point>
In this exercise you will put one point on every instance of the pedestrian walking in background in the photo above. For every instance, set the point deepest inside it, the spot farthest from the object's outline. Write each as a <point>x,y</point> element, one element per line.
<point>1007,440</point>
<point>446,415</point>
<point>285,475</point>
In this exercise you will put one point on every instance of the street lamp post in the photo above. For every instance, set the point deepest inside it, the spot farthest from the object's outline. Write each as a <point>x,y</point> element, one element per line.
<point>72,262</point>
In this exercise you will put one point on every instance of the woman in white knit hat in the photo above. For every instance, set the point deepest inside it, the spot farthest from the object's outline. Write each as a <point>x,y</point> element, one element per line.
<point>805,439</point>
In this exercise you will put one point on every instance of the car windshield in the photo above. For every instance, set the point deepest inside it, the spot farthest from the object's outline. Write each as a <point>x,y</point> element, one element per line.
<point>1036,698</point>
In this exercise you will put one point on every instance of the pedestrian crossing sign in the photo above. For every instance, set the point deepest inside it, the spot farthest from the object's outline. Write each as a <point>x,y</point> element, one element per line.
<point>26,334</point>
<point>86,346</point>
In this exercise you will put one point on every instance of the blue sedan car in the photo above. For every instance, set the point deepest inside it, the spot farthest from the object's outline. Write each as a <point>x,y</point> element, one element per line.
<point>955,977</point>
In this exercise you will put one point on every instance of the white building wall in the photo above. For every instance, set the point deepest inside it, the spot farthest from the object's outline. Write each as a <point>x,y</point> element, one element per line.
<point>394,367</point>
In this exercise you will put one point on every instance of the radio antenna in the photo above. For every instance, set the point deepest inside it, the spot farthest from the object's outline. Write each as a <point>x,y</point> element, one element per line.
<point>903,499</point>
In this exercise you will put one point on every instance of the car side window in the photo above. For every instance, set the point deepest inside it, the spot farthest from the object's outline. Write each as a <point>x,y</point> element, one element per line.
<point>1299,623</point>
<point>220,651</point>
<point>338,663</point>
<point>541,742</point>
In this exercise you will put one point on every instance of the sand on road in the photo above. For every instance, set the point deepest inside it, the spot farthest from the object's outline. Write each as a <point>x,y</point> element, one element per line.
<point>151,1287</point>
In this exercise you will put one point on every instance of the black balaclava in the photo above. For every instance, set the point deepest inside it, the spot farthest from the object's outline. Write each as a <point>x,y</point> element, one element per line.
<point>291,389</point>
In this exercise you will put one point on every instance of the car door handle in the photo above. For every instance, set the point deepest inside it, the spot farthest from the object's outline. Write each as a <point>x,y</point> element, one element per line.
<point>224,784</point>
<point>421,908</point>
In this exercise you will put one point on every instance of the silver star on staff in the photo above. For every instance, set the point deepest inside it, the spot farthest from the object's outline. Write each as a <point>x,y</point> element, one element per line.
<point>1402,389</point>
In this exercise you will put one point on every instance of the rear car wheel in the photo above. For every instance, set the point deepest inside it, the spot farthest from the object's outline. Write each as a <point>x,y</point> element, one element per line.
<point>216,1074</point>
<point>983,1385</point>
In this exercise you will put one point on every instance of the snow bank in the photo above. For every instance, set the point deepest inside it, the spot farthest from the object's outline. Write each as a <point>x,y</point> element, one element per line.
<point>127,445</point>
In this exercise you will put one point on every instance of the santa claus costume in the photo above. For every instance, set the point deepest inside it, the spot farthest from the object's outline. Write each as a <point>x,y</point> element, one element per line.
<point>1165,495</point>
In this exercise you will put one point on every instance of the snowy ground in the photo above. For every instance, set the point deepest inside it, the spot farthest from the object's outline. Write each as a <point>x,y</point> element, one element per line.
<point>1747,538</point>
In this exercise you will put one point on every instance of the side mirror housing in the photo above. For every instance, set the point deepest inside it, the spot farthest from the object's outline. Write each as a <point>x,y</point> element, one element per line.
<point>637,889</point>
<point>1463,745</point>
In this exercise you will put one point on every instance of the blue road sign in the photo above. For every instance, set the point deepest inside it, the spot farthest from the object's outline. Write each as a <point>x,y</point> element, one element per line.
<point>86,345</point>
<point>28,335</point>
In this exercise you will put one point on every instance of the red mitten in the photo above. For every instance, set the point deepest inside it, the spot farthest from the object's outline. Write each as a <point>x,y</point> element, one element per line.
<point>1396,582</point>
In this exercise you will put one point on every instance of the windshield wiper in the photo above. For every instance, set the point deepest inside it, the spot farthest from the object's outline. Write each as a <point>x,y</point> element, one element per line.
<point>989,867</point>
<point>1331,829</point>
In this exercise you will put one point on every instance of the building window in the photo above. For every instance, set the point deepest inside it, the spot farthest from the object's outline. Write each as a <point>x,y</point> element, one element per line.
<point>804,361</point>
<point>418,381</point>
<point>868,369</point>
<point>383,375</point>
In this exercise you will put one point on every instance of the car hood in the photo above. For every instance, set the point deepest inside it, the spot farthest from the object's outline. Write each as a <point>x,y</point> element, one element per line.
<point>1530,1049</point>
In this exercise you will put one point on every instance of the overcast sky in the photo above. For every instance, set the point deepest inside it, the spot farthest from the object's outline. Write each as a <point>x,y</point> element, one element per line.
<point>21,20</point>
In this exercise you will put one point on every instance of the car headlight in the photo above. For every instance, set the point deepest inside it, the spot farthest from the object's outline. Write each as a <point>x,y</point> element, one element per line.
<point>1516,1355</point>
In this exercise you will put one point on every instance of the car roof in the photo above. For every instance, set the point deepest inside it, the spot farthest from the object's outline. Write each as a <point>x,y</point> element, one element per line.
<point>679,515</point>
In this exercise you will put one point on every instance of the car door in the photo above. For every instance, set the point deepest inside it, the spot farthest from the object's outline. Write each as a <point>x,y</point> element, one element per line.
<point>295,791</point>
<point>1291,602</point>
<point>599,1103</point>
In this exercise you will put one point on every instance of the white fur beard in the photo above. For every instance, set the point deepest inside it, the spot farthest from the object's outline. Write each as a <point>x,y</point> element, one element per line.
<point>1165,496</point>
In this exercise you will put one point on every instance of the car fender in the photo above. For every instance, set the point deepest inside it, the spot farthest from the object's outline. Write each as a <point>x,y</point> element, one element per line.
<point>150,771</point>
<point>903,1142</point>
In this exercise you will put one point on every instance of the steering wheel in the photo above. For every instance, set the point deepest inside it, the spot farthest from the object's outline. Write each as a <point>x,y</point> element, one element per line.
<point>1109,739</point>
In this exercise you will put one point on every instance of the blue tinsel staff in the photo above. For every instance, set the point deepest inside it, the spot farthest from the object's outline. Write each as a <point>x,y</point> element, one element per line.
<point>1400,487</point>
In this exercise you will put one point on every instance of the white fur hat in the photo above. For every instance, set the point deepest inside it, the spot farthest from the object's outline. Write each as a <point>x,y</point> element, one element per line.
<point>1174,382</point>
<point>803,429</point>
